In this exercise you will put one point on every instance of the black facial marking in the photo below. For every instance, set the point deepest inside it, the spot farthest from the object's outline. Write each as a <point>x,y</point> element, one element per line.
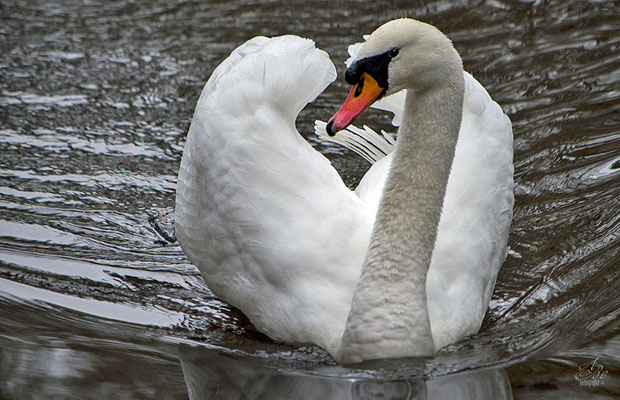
<point>358,89</point>
<point>375,66</point>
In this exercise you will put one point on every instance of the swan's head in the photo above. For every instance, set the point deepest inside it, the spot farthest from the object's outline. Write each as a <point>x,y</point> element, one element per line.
<point>401,54</point>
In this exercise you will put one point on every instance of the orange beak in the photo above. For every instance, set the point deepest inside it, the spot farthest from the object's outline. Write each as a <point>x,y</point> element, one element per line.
<point>361,96</point>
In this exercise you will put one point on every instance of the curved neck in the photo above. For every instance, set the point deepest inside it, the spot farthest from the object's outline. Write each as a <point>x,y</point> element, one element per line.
<point>389,316</point>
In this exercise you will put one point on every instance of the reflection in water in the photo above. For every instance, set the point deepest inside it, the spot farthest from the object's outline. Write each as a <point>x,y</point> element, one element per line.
<point>95,100</point>
<point>210,374</point>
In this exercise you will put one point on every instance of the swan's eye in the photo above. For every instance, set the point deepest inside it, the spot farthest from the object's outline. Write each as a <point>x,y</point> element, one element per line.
<point>393,53</point>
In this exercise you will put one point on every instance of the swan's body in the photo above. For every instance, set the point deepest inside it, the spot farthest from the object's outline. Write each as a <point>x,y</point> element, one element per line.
<point>276,233</point>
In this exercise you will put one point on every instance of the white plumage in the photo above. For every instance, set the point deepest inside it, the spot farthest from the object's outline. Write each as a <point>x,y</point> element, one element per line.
<point>277,234</point>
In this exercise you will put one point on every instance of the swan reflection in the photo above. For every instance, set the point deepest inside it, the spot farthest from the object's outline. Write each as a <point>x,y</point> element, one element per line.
<point>211,374</point>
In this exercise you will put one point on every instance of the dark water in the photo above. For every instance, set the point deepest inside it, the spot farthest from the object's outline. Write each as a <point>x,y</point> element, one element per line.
<point>95,302</point>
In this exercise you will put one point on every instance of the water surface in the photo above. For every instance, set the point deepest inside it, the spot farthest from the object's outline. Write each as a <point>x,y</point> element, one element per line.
<point>98,301</point>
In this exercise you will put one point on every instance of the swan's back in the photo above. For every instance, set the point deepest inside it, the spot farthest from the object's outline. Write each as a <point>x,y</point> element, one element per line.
<point>257,207</point>
<point>473,230</point>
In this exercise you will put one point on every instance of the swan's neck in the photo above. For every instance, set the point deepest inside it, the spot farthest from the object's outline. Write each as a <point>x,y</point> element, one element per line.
<point>389,316</point>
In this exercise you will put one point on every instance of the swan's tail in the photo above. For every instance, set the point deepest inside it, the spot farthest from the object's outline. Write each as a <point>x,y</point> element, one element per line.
<point>364,142</point>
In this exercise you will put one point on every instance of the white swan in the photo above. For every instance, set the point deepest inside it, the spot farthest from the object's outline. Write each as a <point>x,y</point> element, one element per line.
<point>276,233</point>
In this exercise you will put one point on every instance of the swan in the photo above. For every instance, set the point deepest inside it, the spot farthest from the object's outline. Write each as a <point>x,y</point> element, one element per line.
<point>402,266</point>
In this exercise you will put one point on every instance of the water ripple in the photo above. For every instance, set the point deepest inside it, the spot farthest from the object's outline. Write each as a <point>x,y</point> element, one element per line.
<point>95,105</point>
